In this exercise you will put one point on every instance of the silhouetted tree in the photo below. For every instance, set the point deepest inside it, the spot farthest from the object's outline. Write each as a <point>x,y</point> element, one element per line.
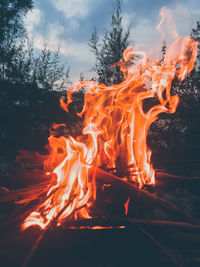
<point>30,84</point>
<point>109,50</point>
<point>12,31</point>
<point>48,72</point>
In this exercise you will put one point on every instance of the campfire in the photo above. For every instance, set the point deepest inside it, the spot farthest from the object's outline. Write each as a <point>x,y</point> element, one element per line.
<point>112,148</point>
<point>116,124</point>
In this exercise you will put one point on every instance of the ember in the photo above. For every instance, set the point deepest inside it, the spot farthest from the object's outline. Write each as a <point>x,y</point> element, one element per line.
<point>115,131</point>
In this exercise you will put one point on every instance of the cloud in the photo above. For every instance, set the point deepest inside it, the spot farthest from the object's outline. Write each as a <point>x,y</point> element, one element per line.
<point>142,34</point>
<point>77,54</point>
<point>68,47</point>
<point>69,23</point>
<point>145,34</point>
<point>32,19</point>
<point>73,8</point>
<point>127,20</point>
<point>51,38</point>
<point>78,50</point>
<point>181,11</point>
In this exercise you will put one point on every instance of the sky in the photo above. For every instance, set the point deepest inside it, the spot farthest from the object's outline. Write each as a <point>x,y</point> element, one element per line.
<point>68,24</point>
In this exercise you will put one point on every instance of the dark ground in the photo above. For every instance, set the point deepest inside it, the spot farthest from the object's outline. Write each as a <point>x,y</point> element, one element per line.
<point>132,246</point>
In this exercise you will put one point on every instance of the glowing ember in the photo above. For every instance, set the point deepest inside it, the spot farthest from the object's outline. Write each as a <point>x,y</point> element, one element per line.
<point>115,131</point>
<point>126,206</point>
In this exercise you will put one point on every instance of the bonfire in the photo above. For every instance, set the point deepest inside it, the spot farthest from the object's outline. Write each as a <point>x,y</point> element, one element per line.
<point>113,143</point>
<point>115,131</point>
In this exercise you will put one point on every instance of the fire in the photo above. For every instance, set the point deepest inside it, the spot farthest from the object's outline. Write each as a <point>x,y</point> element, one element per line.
<point>114,133</point>
<point>126,206</point>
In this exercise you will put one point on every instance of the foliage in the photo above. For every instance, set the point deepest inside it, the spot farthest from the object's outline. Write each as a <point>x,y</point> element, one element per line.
<point>109,50</point>
<point>45,70</point>
<point>11,30</point>
<point>17,60</point>
<point>26,115</point>
<point>30,84</point>
<point>48,72</point>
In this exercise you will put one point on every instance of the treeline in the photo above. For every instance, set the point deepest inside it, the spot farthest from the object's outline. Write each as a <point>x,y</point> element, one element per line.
<point>30,88</point>
<point>30,85</point>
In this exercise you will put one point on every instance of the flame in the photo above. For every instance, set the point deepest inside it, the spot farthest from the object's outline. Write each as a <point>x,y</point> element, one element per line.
<point>115,130</point>
<point>126,206</point>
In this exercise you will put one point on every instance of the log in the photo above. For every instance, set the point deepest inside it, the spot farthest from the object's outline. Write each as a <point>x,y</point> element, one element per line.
<point>138,194</point>
<point>37,192</point>
<point>26,194</point>
<point>170,180</point>
<point>163,179</point>
<point>130,222</point>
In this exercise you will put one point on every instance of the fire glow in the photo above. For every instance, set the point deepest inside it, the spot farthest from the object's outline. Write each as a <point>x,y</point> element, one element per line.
<point>114,133</point>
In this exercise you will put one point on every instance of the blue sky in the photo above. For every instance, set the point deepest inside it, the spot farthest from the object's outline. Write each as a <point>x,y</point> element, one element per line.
<point>69,24</point>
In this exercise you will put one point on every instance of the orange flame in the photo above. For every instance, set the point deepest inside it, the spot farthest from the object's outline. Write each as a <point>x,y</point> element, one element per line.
<point>115,130</point>
<point>126,206</point>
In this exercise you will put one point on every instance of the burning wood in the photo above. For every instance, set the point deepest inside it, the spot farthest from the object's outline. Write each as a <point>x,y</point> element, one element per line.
<point>114,134</point>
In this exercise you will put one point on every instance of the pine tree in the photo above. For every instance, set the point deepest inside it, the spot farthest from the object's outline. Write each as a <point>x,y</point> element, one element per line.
<point>48,72</point>
<point>109,50</point>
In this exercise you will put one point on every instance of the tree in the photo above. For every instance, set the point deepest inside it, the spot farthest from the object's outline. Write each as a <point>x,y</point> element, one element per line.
<point>109,50</point>
<point>11,17</point>
<point>12,31</point>
<point>29,83</point>
<point>48,72</point>
<point>18,62</point>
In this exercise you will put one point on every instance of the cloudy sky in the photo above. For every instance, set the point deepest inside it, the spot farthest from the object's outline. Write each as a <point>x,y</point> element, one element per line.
<point>69,24</point>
